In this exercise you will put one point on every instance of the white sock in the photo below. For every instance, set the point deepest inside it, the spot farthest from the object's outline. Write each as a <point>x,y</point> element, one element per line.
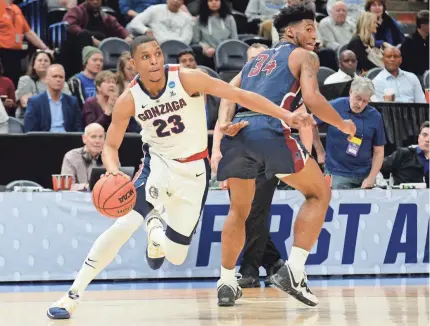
<point>105,248</point>
<point>297,261</point>
<point>228,274</point>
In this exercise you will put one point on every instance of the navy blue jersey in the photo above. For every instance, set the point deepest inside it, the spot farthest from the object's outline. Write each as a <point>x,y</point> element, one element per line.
<point>268,74</point>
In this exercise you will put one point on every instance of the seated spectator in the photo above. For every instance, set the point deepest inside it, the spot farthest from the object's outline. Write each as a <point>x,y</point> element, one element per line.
<point>405,85</point>
<point>347,69</point>
<point>214,25</point>
<point>354,163</point>
<point>262,11</point>
<point>88,25</point>
<point>336,30</point>
<point>13,29</point>
<point>410,164</point>
<point>79,162</point>
<point>164,22</point>
<point>363,42</point>
<point>187,59</point>
<point>53,110</point>
<point>98,109</point>
<point>125,72</point>
<point>131,8</point>
<point>389,30</point>
<point>4,127</point>
<point>415,48</point>
<point>355,8</point>
<point>34,82</point>
<point>82,85</point>
<point>7,92</point>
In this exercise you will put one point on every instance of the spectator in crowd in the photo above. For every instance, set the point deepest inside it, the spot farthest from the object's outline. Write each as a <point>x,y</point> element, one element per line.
<point>13,29</point>
<point>7,92</point>
<point>350,161</point>
<point>410,164</point>
<point>214,25</point>
<point>415,48</point>
<point>262,11</point>
<point>396,85</point>
<point>125,72</point>
<point>347,69</point>
<point>389,30</point>
<point>53,4</point>
<point>98,109</point>
<point>131,8</point>
<point>164,22</point>
<point>82,85</point>
<point>363,41</point>
<point>187,59</point>
<point>34,82</point>
<point>4,127</point>
<point>88,25</point>
<point>53,110</point>
<point>335,29</point>
<point>79,162</point>
<point>355,8</point>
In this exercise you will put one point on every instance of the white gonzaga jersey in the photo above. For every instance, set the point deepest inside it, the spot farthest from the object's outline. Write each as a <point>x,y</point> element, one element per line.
<point>173,123</point>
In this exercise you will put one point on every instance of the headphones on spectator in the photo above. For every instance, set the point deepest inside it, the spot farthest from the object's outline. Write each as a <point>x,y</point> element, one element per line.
<point>88,158</point>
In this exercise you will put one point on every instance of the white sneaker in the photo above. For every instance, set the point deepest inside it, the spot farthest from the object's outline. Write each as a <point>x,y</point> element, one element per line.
<point>155,253</point>
<point>284,280</point>
<point>63,308</point>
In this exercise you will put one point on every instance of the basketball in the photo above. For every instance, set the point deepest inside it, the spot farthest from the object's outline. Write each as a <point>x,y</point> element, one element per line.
<point>114,195</point>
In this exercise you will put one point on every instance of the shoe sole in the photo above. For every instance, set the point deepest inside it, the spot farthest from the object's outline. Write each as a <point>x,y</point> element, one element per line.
<point>294,293</point>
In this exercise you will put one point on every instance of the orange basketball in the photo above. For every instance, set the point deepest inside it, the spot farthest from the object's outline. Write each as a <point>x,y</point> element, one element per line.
<point>114,195</point>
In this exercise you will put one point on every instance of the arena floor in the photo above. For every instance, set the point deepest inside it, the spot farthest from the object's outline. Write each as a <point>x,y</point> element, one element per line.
<point>379,302</point>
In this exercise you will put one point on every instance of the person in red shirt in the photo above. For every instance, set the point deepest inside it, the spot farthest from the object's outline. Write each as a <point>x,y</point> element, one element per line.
<point>7,92</point>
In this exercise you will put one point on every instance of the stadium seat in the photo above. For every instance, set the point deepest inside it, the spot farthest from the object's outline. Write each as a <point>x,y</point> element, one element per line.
<point>372,73</point>
<point>15,126</point>
<point>426,79</point>
<point>323,73</point>
<point>57,33</point>
<point>241,22</point>
<point>112,48</point>
<point>171,49</point>
<point>230,57</point>
<point>210,72</point>
<point>257,39</point>
<point>55,15</point>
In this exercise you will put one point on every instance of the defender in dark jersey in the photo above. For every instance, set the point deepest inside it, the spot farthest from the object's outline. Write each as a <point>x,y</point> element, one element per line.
<point>283,75</point>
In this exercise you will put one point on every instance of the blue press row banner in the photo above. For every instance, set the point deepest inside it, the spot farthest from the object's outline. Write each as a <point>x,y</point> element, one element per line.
<point>46,236</point>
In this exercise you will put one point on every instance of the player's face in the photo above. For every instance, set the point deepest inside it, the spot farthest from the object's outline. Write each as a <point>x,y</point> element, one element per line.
<point>253,52</point>
<point>358,101</point>
<point>423,140</point>
<point>304,34</point>
<point>148,61</point>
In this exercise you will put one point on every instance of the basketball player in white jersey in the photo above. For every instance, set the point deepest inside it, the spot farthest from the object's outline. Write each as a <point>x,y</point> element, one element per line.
<point>168,103</point>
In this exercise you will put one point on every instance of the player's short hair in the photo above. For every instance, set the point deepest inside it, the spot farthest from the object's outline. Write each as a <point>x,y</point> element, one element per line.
<point>426,124</point>
<point>422,18</point>
<point>293,14</point>
<point>184,52</point>
<point>140,40</point>
<point>259,46</point>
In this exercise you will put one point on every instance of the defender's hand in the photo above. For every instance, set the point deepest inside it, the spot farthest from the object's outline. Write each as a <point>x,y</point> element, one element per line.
<point>231,129</point>
<point>299,119</point>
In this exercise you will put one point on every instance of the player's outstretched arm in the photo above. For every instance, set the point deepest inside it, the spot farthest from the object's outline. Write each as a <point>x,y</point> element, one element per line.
<point>195,81</point>
<point>121,114</point>
<point>308,65</point>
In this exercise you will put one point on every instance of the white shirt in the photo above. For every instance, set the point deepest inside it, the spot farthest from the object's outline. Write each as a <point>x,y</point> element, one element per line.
<point>338,77</point>
<point>406,85</point>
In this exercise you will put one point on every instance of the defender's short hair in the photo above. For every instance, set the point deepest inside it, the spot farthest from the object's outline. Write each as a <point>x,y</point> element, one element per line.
<point>140,40</point>
<point>292,15</point>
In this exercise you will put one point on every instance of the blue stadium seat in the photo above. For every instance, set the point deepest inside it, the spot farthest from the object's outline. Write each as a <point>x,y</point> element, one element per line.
<point>323,73</point>
<point>230,57</point>
<point>57,33</point>
<point>112,48</point>
<point>171,49</point>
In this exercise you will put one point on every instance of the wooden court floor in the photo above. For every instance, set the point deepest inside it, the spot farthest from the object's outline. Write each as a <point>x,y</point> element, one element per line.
<point>363,305</point>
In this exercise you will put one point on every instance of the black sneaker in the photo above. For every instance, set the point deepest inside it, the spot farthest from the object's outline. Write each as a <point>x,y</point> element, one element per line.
<point>284,280</point>
<point>249,282</point>
<point>272,270</point>
<point>228,293</point>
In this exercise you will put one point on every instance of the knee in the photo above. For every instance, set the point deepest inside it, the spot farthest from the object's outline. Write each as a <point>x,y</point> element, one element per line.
<point>321,194</point>
<point>240,212</point>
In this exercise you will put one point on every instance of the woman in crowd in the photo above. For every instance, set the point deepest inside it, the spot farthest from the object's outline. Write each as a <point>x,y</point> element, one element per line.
<point>214,25</point>
<point>33,82</point>
<point>389,30</point>
<point>124,72</point>
<point>363,42</point>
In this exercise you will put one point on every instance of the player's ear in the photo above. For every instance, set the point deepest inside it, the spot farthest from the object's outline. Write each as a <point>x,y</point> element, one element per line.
<point>133,64</point>
<point>289,32</point>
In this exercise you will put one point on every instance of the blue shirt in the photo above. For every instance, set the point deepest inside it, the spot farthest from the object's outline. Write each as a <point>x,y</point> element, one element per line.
<point>423,160</point>
<point>407,87</point>
<point>88,85</point>
<point>370,128</point>
<point>57,119</point>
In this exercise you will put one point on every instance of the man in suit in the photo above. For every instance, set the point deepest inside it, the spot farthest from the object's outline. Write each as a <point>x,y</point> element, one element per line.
<point>53,110</point>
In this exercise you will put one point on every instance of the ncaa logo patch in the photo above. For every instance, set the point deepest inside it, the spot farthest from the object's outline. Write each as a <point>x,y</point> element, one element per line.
<point>153,192</point>
<point>172,84</point>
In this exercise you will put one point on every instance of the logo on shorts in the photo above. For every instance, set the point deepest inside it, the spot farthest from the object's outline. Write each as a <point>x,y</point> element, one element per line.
<point>298,156</point>
<point>153,192</point>
<point>172,84</point>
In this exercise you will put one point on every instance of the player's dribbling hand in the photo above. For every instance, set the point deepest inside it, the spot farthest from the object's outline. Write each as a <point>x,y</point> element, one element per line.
<point>231,129</point>
<point>115,172</point>
<point>299,119</point>
<point>348,127</point>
